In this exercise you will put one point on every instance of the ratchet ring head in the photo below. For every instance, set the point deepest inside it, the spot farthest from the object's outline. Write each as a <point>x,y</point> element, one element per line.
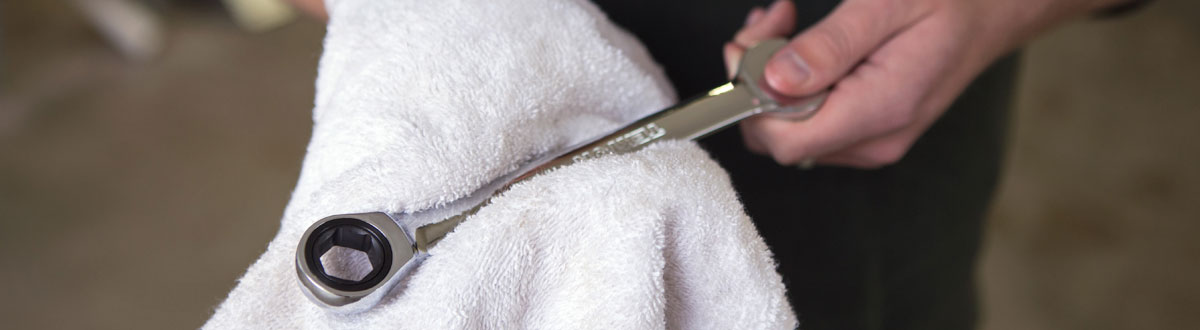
<point>350,233</point>
<point>388,247</point>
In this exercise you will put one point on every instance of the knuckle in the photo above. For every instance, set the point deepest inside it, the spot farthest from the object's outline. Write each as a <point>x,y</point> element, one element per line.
<point>885,154</point>
<point>900,117</point>
<point>900,12</point>
<point>786,149</point>
<point>786,156</point>
<point>831,43</point>
<point>844,34</point>
<point>899,7</point>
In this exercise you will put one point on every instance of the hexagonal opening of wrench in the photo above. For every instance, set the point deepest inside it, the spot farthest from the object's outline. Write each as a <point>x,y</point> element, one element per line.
<point>346,263</point>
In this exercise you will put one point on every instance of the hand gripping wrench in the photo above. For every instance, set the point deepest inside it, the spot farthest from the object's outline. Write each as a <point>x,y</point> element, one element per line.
<point>394,251</point>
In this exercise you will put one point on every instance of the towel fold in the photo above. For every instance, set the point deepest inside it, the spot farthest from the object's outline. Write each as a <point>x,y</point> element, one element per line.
<point>421,102</point>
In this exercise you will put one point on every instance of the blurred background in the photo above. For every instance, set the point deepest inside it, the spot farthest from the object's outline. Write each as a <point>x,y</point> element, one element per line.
<point>144,165</point>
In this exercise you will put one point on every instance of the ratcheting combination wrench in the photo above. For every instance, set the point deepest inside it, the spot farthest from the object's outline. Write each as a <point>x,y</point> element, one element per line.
<point>394,251</point>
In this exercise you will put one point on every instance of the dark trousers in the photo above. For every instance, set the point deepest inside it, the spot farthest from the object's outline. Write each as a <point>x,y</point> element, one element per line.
<point>893,248</point>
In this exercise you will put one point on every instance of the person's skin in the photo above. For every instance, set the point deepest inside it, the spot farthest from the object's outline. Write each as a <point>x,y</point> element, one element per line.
<point>893,67</point>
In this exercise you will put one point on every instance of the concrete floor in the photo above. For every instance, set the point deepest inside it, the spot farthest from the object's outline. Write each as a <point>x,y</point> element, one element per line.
<point>133,195</point>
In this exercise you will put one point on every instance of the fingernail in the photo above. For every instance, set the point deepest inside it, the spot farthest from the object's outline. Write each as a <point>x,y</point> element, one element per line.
<point>788,71</point>
<point>755,14</point>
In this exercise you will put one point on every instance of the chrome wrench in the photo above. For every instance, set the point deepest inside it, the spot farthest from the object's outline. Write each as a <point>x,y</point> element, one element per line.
<point>394,251</point>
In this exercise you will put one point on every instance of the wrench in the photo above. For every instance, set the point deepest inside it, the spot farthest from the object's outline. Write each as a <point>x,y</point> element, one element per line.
<point>394,251</point>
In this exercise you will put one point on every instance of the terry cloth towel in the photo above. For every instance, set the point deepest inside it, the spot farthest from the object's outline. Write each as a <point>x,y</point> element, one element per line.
<point>421,102</point>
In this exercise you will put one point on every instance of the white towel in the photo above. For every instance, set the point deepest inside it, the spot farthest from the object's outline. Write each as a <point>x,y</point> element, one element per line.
<point>421,102</point>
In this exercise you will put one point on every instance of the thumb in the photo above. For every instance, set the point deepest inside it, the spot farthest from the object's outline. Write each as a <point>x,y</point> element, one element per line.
<point>824,53</point>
